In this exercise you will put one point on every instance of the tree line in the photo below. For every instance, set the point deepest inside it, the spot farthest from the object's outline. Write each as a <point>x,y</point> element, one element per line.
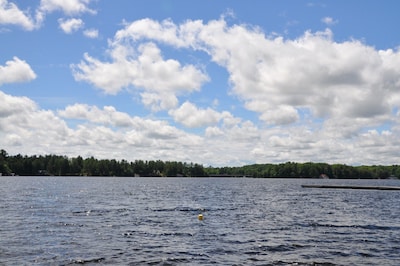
<point>77,166</point>
<point>309,170</point>
<point>63,166</point>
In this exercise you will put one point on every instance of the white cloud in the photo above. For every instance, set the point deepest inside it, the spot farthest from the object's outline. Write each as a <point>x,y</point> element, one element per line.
<point>347,86</point>
<point>11,14</point>
<point>159,101</point>
<point>191,116</point>
<point>277,77</point>
<point>165,31</point>
<point>329,21</point>
<point>91,33</point>
<point>108,133</point>
<point>70,25</point>
<point>16,70</point>
<point>70,7</point>
<point>118,132</point>
<point>15,105</point>
<point>102,132</point>
<point>318,99</point>
<point>24,125</point>
<point>213,131</point>
<point>144,69</point>
<point>284,114</point>
<point>109,116</point>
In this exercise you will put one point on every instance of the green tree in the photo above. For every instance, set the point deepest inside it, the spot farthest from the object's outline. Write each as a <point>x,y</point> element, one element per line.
<point>76,165</point>
<point>4,168</point>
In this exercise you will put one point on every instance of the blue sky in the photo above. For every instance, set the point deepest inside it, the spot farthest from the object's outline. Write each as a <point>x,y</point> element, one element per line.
<point>212,82</point>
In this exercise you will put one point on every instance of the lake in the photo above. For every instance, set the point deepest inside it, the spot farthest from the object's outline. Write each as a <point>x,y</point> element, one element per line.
<point>154,221</point>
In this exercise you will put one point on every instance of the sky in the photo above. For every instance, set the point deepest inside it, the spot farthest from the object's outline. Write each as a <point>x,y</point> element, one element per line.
<point>219,83</point>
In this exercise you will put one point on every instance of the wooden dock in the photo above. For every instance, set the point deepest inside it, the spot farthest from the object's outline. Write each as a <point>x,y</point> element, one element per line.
<point>352,187</point>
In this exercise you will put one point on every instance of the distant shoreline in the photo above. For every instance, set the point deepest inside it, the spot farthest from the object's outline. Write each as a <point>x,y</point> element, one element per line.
<point>57,165</point>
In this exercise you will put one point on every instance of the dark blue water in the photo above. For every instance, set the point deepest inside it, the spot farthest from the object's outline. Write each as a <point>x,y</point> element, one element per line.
<point>153,221</point>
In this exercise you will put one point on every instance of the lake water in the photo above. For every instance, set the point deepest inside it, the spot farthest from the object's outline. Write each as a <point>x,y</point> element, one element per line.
<point>154,221</point>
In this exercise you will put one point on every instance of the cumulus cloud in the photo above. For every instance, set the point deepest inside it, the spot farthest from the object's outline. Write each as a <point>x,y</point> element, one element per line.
<point>16,70</point>
<point>317,99</point>
<point>70,7</point>
<point>70,25</point>
<point>347,86</point>
<point>159,101</point>
<point>106,132</point>
<point>10,14</point>
<point>277,77</point>
<point>108,116</point>
<point>15,105</point>
<point>213,131</point>
<point>119,131</point>
<point>24,124</point>
<point>143,68</point>
<point>191,116</point>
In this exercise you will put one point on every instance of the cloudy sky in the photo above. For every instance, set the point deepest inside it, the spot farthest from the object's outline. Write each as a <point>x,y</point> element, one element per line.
<point>221,83</point>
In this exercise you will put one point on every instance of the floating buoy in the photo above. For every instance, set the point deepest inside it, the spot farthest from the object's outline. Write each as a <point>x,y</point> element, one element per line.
<point>200,217</point>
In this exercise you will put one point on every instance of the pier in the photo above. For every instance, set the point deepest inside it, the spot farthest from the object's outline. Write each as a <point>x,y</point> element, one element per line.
<point>352,187</point>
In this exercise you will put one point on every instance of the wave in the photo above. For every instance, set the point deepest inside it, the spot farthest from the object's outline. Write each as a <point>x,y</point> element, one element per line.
<point>366,227</point>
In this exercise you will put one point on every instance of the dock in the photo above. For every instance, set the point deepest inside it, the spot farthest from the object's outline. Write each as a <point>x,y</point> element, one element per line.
<point>352,187</point>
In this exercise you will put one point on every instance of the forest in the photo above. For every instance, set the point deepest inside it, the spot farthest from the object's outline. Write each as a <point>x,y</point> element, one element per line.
<point>57,165</point>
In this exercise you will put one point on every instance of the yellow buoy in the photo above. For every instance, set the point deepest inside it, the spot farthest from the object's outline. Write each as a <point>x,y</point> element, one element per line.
<point>200,217</point>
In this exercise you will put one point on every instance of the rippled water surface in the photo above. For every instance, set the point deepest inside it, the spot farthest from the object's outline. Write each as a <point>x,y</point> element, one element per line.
<point>153,221</point>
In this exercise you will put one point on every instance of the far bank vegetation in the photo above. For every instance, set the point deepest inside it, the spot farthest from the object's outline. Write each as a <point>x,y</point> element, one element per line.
<point>63,166</point>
